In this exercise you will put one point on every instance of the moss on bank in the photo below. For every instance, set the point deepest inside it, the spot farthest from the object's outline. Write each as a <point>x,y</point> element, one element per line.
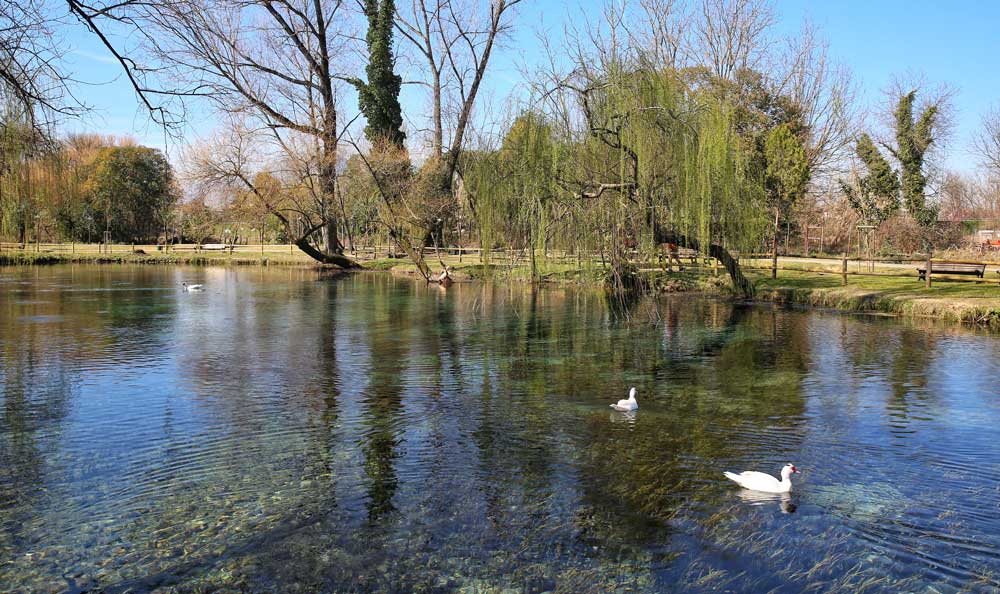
<point>950,300</point>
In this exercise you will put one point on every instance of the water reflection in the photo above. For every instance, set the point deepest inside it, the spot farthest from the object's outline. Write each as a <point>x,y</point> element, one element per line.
<point>382,417</point>
<point>290,431</point>
<point>783,500</point>
<point>626,417</point>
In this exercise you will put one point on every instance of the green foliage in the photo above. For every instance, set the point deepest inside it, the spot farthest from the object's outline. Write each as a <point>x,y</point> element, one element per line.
<point>787,172</point>
<point>877,194</point>
<point>912,141</point>
<point>695,172</point>
<point>876,197</point>
<point>360,196</point>
<point>755,108</point>
<point>651,153</point>
<point>131,190</point>
<point>378,99</point>
<point>20,146</point>
<point>511,187</point>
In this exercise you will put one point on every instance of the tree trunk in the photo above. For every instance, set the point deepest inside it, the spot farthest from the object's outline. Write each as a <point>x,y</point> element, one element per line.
<point>325,257</point>
<point>415,256</point>
<point>328,186</point>
<point>330,235</point>
<point>742,283</point>
<point>774,246</point>
<point>437,141</point>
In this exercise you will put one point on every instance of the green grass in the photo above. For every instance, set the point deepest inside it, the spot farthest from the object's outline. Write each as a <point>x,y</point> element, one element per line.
<point>953,300</point>
<point>888,284</point>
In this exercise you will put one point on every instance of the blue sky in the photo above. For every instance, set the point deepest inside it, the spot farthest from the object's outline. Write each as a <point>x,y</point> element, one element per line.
<point>945,42</point>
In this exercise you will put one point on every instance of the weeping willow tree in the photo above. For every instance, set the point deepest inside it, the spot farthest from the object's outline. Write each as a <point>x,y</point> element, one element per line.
<point>510,190</point>
<point>620,164</point>
<point>24,173</point>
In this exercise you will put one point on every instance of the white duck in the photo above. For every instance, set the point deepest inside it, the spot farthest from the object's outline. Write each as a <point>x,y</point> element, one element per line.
<point>760,481</point>
<point>627,405</point>
<point>188,287</point>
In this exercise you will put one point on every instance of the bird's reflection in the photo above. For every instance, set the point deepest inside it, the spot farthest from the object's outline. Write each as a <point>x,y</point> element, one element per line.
<point>627,417</point>
<point>784,500</point>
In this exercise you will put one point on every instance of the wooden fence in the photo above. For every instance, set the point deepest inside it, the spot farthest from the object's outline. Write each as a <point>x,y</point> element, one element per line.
<point>902,265</point>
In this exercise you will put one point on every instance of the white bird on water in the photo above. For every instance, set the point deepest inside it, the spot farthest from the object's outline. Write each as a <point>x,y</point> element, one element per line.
<point>627,405</point>
<point>188,287</point>
<point>761,481</point>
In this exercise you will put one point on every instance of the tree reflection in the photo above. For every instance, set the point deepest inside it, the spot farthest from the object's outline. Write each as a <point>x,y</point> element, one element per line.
<point>741,370</point>
<point>382,418</point>
<point>38,382</point>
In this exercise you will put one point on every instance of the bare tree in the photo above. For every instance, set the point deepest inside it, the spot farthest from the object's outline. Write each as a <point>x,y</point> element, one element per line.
<point>826,95</point>
<point>986,144</point>
<point>236,161</point>
<point>662,37</point>
<point>732,35</point>
<point>33,81</point>
<point>272,61</point>
<point>454,39</point>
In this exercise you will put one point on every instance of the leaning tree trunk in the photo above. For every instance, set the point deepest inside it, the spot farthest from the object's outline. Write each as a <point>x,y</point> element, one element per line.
<point>324,257</point>
<point>742,283</point>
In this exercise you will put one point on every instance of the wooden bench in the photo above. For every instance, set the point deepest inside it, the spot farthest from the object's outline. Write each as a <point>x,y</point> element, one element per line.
<point>952,268</point>
<point>664,256</point>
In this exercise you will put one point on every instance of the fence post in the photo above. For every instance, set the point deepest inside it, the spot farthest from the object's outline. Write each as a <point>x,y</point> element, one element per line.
<point>927,276</point>
<point>843,270</point>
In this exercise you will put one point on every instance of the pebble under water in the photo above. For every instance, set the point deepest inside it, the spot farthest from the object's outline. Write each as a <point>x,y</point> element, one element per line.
<point>289,431</point>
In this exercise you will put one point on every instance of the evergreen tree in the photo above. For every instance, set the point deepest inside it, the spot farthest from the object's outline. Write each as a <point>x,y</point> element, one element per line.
<point>912,141</point>
<point>378,99</point>
<point>876,196</point>
<point>786,176</point>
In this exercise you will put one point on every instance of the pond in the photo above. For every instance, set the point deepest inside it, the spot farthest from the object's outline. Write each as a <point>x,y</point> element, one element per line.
<point>289,431</point>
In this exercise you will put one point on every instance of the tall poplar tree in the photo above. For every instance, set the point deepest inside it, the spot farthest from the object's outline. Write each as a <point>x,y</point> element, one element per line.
<point>378,98</point>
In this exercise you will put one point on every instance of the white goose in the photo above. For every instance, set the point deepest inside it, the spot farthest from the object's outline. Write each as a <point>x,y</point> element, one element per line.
<point>188,287</point>
<point>760,481</point>
<point>627,405</point>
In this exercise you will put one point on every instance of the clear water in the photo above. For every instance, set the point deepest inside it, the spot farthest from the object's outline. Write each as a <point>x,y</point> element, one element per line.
<point>288,432</point>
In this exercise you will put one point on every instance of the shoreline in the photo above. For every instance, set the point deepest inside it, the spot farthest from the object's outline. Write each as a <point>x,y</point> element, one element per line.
<point>973,311</point>
<point>19,258</point>
<point>955,302</point>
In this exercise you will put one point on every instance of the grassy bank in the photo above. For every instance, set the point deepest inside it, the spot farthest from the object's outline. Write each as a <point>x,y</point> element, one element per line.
<point>899,295</point>
<point>952,300</point>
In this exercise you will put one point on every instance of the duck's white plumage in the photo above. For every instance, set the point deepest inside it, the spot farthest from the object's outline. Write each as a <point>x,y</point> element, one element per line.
<point>761,481</point>
<point>188,287</point>
<point>629,403</point>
